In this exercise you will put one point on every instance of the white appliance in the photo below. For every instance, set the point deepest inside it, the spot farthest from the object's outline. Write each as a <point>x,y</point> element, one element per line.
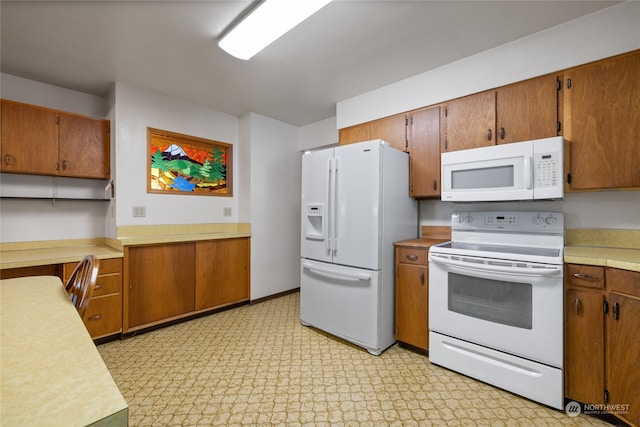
<point>496,301</point>
<point>520,171</point>
<point>355,205</point>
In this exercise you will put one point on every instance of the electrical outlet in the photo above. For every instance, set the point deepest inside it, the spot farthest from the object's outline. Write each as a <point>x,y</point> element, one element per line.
<point>226,211</point>
<point>139,211</point>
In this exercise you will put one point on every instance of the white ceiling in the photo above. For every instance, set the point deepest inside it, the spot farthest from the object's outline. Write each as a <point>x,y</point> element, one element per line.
<point>347,48</point>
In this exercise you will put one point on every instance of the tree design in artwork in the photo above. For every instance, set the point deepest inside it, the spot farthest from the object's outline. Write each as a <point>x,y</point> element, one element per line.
<point>188,167</point>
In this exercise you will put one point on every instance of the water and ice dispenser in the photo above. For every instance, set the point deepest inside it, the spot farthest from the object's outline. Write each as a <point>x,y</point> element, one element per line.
<point>315,221</point>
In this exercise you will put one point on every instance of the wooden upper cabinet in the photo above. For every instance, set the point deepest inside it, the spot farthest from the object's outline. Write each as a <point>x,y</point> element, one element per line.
<point>42,141</point>
<point>469,122</point>
<point>602,123</point>
<point>84,147</point>
<point>354,134</point>
<point>29,139</point>
<point>424,153</point>
<point>392,129</point>
<point>527,110</point>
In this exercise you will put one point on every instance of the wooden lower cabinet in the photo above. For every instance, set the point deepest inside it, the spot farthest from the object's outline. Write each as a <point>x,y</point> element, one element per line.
<point>166,282</point>
<point>602,350</point>
<point>412,296</point>
<point>161,280</point>
<point>220,278</point>
<point>36,270</point>
<point>104,313</point>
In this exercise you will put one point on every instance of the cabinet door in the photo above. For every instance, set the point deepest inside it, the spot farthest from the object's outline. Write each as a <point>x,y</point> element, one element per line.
<point>391,129</point>
<point>623,365</point>
<point>584,346</point>
<point>602,121</point>
<point>527,110</point>
<point>29,139</point>
<point>424,150</point>
<point>353,134</point>
<point>222,272</point>
<point>412,305</point>
<point>469,122</point>
<point>84,147</point>
<point>161,282</point>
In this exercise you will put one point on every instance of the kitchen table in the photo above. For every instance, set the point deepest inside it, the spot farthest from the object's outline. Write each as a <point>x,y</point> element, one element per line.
<point>52,373</point>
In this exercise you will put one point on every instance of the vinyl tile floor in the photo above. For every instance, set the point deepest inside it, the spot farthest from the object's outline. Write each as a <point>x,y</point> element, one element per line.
<point>257,365</point>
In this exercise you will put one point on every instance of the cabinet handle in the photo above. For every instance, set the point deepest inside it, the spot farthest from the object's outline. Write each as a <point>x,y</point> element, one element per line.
<point>578,305</point>
<point>422,278</point>
<point>96,317</point>
<point>435,184</point>
<point>412,257</point>
<point>585,276</point>
<point>615,310</point>
<point>489,135</point>
<point>97,287</point>
<point>8,159</point>
<point>64,164</point>
<point>501,133</point>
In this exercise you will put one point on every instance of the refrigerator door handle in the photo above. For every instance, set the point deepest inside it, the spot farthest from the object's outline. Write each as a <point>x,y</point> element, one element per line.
<point>329,207</point>
<point>334,208</point>
<point>356,277</point>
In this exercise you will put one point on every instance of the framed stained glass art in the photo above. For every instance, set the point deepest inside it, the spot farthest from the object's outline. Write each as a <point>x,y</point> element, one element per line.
<point>183,164</point>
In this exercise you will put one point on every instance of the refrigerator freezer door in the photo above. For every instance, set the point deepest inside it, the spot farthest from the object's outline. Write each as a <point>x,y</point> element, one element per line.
<point>342,301</point>
<point>357,210</point>
<point>317,179</point>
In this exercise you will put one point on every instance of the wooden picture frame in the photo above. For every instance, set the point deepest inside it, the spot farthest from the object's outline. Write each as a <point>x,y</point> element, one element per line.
<point>189,165</point>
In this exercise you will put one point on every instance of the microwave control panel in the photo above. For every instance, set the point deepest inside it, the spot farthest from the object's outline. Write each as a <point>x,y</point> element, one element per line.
<point>547,169</point>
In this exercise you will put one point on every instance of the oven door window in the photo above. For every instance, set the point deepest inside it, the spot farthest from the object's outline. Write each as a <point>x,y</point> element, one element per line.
<point>507,303</point>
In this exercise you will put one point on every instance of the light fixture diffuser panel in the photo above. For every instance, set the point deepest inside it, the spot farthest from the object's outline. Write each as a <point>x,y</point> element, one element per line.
<point>267,23</point>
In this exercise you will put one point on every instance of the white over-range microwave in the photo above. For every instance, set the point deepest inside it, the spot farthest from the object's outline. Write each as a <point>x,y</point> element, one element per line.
<point>526,170</point>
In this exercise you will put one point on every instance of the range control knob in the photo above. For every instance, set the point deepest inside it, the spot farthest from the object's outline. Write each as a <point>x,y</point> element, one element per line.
<point>469,219</point>
<point>537,220</point>
<point>551,220</point>
<point>460,218</point>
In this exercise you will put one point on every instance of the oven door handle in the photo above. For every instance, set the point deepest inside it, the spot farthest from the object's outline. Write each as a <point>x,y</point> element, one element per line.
<point>545,271</point>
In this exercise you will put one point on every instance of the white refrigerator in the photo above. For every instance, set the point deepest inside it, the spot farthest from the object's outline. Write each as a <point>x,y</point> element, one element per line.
<point>355,205</point>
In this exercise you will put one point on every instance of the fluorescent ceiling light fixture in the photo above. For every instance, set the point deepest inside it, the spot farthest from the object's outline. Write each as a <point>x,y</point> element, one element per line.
<point>266,24</point>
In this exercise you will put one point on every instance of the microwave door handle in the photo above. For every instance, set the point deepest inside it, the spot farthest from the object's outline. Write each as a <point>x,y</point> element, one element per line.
<point>497,269</point>
<point>528,172</point>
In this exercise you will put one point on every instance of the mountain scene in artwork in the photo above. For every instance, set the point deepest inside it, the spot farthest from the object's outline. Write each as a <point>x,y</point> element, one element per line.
<point>185,168</point>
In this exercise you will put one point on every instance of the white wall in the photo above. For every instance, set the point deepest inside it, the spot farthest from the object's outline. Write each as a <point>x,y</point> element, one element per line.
<point>604,33</point>
<point>274,205</point>
<point>135,110</point>
<point>25,220</point>
<point>318,134</point>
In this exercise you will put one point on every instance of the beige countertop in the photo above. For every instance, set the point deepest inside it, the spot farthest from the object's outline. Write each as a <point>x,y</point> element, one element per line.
<point>30,254</point>
<point>52,373</point>
<point>604,247</point>
<point>626,259</point>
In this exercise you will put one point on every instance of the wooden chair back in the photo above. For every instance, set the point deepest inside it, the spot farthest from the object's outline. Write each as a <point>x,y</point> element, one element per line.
<point>82,282</point>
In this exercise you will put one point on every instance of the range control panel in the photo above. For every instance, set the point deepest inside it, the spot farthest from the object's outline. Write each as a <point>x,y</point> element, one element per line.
<point>536,222</point>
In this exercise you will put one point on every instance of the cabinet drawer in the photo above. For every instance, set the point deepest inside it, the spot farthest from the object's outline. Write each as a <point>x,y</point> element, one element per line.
<point>108,284</point>
<point>591,276</point>
<point>412,255</point>
<point>110,265</point>
<point>624,281</point>
<point>104,316</point>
